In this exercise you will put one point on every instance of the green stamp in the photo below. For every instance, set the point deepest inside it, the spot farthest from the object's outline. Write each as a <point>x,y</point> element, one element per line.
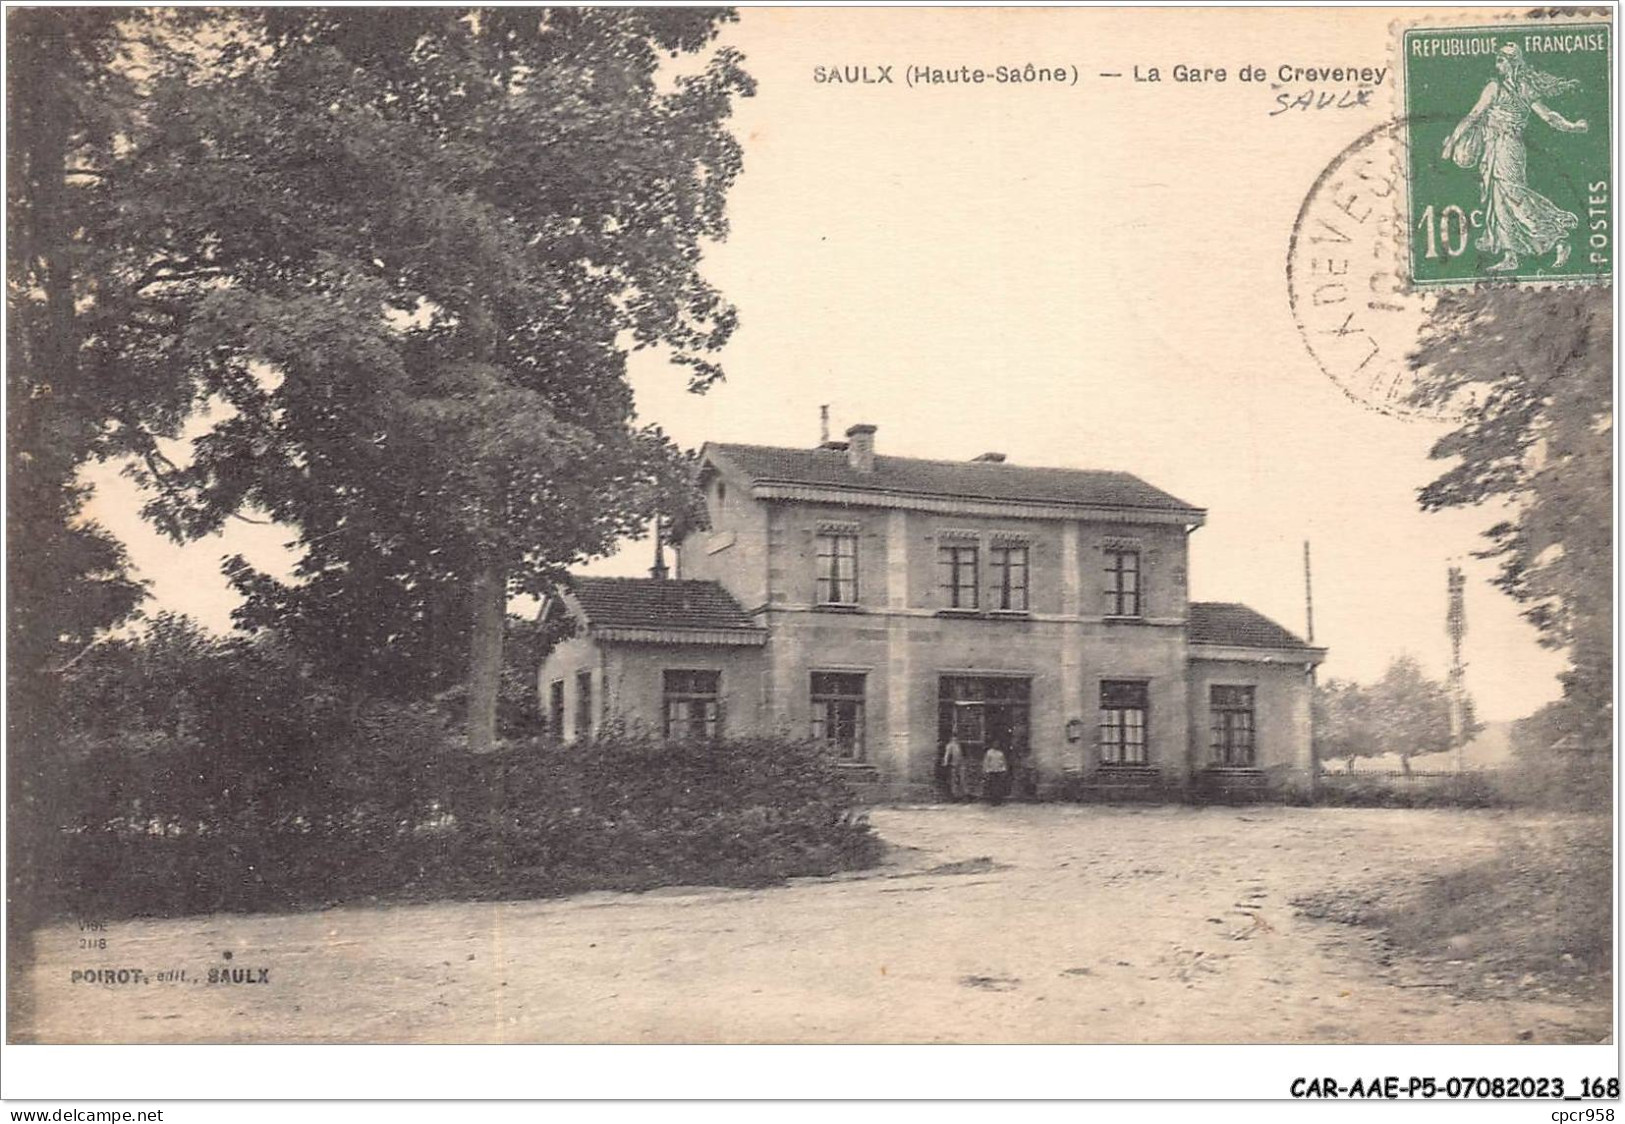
<point>1507,163</point>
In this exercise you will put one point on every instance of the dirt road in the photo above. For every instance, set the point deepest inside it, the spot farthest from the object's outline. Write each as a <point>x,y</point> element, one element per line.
<point>1048,923</point>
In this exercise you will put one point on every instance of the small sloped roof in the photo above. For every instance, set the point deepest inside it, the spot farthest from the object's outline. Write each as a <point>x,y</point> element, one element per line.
<point>1225,622</point>
<point>658,603</point>
<point>980,480</point>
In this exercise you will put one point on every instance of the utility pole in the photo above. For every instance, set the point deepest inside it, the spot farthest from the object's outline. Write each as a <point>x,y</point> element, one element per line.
<point>1309,629</point>
<point>1308,595</point>
<point>1455,623</point>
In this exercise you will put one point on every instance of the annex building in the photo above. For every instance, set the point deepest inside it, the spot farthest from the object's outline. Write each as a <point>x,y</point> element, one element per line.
<point>885,604</point>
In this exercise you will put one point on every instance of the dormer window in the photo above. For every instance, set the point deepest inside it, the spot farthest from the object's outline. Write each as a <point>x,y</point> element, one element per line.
<point>837,567</point>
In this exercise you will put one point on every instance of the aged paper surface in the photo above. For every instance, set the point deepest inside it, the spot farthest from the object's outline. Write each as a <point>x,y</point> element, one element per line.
<point>1164,242</point>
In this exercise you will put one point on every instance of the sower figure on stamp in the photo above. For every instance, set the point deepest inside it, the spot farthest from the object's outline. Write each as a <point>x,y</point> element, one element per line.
<point>1517,219</point>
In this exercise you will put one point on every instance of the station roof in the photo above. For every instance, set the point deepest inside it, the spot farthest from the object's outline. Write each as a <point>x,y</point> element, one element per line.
<point>658,603</point>
<point>1228,623</point>
<point>993,481</point>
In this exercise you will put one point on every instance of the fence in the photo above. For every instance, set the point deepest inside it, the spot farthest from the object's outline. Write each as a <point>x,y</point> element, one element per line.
<point>1417,777</point>
<point>1474,788</point>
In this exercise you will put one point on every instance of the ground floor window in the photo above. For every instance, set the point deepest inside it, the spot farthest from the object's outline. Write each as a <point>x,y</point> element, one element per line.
<point>1232,726</point>
<point>1123,707</point>
<point>693,704</point>
<point>837,712</point>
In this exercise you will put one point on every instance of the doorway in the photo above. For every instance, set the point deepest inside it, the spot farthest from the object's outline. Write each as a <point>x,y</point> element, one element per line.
<point>982,711</point>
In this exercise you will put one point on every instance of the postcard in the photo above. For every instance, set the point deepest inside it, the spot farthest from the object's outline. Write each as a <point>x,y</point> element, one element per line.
<point>810,526</point>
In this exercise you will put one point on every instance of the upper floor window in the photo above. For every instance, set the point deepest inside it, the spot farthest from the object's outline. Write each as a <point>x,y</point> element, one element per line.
<point>1123,707</point>
<point>957,564</point>
<point>837,569</point>
<point>1232,725</point>
<point>837,712</point>
<point>693,705</point>
<point>1008,566</point>
<point>1122,583</point>
<point>583,705</point>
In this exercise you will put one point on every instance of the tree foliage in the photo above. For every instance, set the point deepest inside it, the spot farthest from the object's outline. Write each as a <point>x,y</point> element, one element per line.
<point>1342,722</point>
<point>1556,763</point>
<point>1405,713</point>
<point>1535,370</point>
<point>419,247</point>
<point>1410,712</point>
<point>172,711</point>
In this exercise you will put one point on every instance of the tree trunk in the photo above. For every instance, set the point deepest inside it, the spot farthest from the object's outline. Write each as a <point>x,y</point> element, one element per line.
<point>485,656</point>
<point>47,351</point>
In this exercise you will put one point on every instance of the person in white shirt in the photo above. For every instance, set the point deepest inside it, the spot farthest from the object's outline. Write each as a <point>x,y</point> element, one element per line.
<point>995,776</point>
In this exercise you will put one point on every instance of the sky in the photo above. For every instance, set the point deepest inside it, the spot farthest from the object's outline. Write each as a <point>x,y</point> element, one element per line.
<point>1088,276</point>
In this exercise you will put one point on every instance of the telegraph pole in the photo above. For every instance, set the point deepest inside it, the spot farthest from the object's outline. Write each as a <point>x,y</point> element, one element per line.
<point>1309,629</point>
<point>1308,595</point>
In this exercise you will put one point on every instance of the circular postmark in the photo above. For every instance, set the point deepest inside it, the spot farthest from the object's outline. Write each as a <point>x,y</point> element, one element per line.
<point>1346,277</point>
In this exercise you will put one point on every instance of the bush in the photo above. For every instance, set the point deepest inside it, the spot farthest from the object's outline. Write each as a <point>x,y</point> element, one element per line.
<point>396,809</point>
<point>1577,779</point>
<point>1562,757</point>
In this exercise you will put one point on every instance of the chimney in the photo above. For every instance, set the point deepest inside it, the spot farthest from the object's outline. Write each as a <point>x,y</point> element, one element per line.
<point>860,449</point>
<point>988,458</point>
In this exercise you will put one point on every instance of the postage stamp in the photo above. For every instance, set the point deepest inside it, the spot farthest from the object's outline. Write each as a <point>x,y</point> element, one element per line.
<point>1507,166</point>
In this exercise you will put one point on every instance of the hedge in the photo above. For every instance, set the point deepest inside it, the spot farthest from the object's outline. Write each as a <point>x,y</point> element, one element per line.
<point>398,811</point>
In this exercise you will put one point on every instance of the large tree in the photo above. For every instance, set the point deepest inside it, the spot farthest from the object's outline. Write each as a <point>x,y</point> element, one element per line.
<point>1405,713</point>
<point>79,312</point>
<point>70,111</point>
<point>425,241</point>
<point>1410,712</point>
<point>1343,722</point>
<point>1532,370</point>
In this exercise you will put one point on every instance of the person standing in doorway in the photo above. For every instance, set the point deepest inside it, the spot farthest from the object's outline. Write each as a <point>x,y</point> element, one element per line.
<point>953,770</point>
<point>995,776</point>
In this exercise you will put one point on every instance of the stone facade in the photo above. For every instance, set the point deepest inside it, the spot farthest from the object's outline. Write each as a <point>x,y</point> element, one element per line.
<point>885,604</point>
